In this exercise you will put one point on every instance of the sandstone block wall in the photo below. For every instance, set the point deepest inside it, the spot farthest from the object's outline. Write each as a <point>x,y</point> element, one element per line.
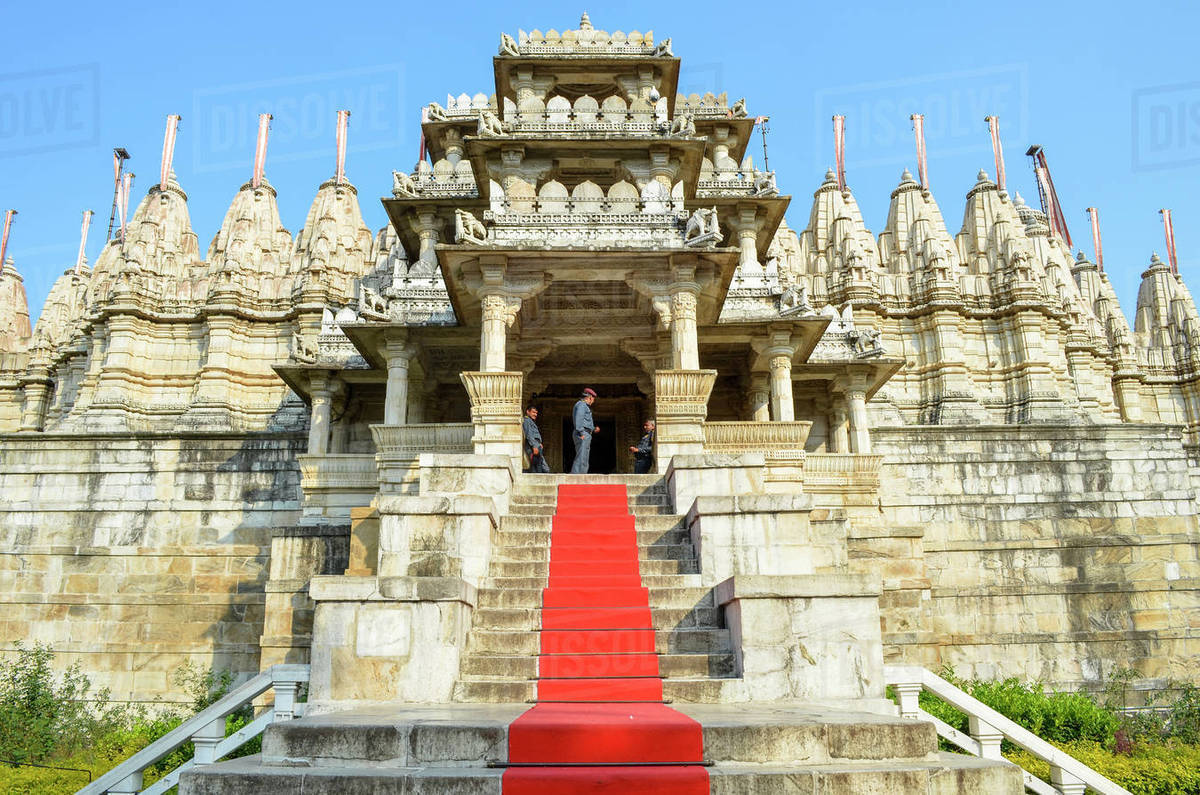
<point>134,554</point>
<point>1050,552</point>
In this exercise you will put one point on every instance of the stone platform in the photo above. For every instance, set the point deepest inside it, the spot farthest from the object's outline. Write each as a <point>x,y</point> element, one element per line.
<point>463,748</point>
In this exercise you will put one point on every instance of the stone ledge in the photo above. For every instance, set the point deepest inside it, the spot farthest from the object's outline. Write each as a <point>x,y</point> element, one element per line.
<point>749,503</point>
<point>152,599</point>
<point>466,461</point>
<point>1067,589</point>
<point>339,588</point>
<point>859,533</point>
<point>463,505</point>
<point>716,461</point>
<point>805,586</point>
<point>224,550</point>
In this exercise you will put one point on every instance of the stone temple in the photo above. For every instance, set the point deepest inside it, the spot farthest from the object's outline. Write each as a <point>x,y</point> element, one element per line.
<point>921,447</point>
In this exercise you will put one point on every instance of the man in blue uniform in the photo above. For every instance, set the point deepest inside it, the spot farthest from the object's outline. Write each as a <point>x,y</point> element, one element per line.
<point>533,442</point>
<point>643,454</point>
<point>585,427</point>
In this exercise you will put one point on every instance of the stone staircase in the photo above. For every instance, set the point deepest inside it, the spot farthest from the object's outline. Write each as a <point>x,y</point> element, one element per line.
<point>500,665</point>
<point>463,747</point>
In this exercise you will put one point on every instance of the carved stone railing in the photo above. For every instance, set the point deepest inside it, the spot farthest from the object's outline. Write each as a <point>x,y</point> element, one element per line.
<point>841,472</point>
<point>755,437</point>
<point>338,472</point>
<point>206,731</point>
<point>409,441</point>
<point>988,729</point>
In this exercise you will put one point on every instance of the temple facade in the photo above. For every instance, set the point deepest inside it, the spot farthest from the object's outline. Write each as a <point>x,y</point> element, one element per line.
<point>304,448</point>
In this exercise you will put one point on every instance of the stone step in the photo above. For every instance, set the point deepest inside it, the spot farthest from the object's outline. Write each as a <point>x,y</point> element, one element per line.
<point>476,734</point>
<point>656,522</point>
<point>949,773</point>
<point>648,581</point>
<point>525,667</point>
<point>530,619</point>
<point>682,641</point>
<point>541,568</point>
<point>637,509</point>
<point>541,538</point>
<point>551,498</point>
<point>659,597</point>
<point>502,691</point>
<point>656,551</point>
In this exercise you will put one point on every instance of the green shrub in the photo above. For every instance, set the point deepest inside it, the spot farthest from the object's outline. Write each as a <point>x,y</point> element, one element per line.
<point>1151,769</point>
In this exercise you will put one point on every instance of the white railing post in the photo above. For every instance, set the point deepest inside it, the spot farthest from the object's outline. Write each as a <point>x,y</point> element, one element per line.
<point>909,694</point>
<point>987,736</point>
<point>1066,783</point>
<point>130,785</point>
<point>285,700</point>
<point>206,741</point>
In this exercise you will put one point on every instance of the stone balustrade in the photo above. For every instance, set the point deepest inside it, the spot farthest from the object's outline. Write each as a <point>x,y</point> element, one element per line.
<point>409,441</point>
<point>338,472</point>
<point>750,437</point>
<point>841,472</point>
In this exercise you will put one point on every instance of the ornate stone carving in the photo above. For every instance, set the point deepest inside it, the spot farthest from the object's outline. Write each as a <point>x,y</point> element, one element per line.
<point>403,186</point>
<point>468,228</point>
<point>702,228</point>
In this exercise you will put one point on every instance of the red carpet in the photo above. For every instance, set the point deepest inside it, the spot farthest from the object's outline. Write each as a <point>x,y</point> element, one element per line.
<point>600,725</point>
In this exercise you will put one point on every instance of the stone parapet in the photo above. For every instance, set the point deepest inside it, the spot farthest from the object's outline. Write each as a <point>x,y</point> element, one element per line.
<point>387,639</point>
<point>399,447</point>
<point>805,638</point>
<point>757,534</point>
<point>681,404</point>
<point>692,476</point>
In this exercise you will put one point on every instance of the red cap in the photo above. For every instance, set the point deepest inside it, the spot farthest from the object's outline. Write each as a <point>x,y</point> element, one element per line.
<point>589,392</point>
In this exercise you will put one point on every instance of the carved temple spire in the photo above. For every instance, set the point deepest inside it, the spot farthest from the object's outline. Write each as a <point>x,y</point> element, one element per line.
<point>335,246</point>
<point>62,313</point>
<point>1166,326</point>
<point>915,242</point>
<point>14,310</point>
<point>252,247</point>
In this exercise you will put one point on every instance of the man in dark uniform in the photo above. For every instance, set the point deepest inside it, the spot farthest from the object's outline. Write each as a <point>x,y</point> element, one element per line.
<point>585,427</point>
<point>533,442</point>
<point>643,454</point>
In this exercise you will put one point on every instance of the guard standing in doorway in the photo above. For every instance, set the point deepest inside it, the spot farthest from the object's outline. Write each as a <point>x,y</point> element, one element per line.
<point>585,427</point>
<point>533,442</point>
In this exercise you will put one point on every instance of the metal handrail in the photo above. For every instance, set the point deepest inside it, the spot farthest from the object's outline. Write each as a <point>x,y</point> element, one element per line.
<point>206,729</point>
<point>988,727</point>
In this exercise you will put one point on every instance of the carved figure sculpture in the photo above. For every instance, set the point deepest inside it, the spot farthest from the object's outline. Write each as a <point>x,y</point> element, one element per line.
<point>738,111</point>
<point>702,228</point>
<point>764,184</point>
<point>490,124</point>
<point>437,113</point>
<point>469,228</point>
<point>794,301</point>
<point>403,185</point>
<point>508,45</point>
<point>663,50</point>
<point>683,125</point>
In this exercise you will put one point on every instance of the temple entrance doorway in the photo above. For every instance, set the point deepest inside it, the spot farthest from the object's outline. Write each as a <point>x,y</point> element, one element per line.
<point>603,458</point>
<point>619,412</point>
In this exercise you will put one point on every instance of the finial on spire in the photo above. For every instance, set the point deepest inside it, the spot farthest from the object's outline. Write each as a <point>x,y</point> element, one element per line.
<point>8,218</point>
<point>906,176</point>
<point>981,177</point>
<point>168,153</point>
<point>343,121</point>
<point>584,22</point>
<point>83,233</point>
<point>260,148</point>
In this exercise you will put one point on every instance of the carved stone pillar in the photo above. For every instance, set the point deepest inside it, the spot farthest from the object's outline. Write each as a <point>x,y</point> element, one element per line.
<point>747,229</point>
<point>681,405</point>
<point>495,309</point>
<point>318,427</point>
<point>685,346</point>
<point>395,403</point>
<point>783,408</point>
<point>37,397</point>
<point>860,432</point>
<point>760,397</point>
<point>428,232</point>
<point>496,411</point>
<point>839,434</point>
<point>416,397</point>
<point>453,143</point>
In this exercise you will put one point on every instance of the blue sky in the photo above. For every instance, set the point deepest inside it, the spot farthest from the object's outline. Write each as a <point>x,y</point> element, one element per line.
<point>1111,90</point>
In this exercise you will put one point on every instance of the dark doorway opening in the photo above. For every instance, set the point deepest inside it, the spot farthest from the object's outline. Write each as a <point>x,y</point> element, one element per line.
<point>603,459</point>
